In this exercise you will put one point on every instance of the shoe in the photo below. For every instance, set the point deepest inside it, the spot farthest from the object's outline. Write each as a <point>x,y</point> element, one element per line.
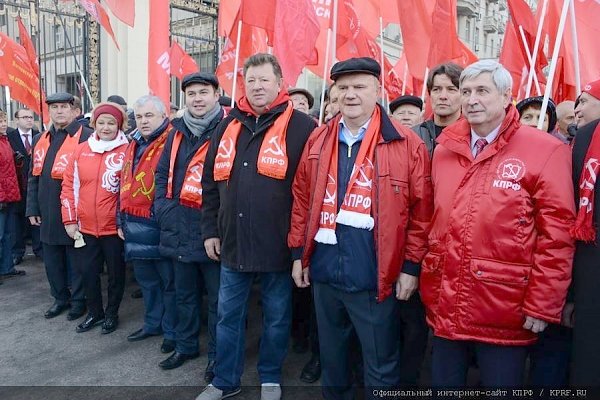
<point>56,310</point>
<point>89,323</point>
<point>138,335</point>
<point>300,346</point>
<point>17,260</point>
<point>212,393</point>
<point>209,372</point>
<point>136,294</point>
<point>76,313</point>
<point>14,273</point>
<point>110,324</point>
<point>312,370</point>
<point>167,346</point>
<point>270,391</point>
<point>176,360</point>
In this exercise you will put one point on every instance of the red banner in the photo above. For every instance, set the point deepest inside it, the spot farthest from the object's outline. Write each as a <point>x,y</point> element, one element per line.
<point>124,10</point>
<point>159,50</point>
<point>181,62</point>
<point>94,8</point>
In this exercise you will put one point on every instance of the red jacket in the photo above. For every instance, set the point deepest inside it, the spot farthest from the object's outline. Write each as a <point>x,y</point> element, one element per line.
<point>90,189</point>
<point>401,204</point>
<point>499,246</point>
<point>9,184</point>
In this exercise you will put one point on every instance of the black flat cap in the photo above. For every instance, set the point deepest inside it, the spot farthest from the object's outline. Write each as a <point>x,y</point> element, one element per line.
<point>225,101</point>
<point>363,65</point>
<point>306,93</point>
<point>115,98</point>
<point>204,78</point>
<point>407,99</point>
<point>61,97</point>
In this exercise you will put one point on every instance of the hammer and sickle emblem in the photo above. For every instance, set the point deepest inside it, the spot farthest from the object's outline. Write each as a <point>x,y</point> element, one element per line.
<point>196,171</point>
<point>143,190</point>
<point>278,151</point>
<point>330,197</point>
<point>362,179</point>
<point>225,152</point>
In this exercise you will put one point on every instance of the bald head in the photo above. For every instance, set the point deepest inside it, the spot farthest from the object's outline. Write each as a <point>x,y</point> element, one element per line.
<point>565,112</point>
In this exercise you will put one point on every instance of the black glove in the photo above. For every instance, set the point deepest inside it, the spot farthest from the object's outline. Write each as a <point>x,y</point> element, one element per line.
<point>19,156</point>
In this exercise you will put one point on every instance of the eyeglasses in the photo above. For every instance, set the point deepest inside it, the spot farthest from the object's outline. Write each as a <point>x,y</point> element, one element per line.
<point>26,117</point>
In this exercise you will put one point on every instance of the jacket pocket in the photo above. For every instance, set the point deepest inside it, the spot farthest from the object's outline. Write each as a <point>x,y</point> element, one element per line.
<point>497,293</point>
<point>430,280</point>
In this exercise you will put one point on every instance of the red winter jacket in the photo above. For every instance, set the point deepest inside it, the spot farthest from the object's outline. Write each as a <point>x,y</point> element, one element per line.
<point>499,246</point>
<point>90,189</point>
<point>9,185</point>
<point>401,204</point>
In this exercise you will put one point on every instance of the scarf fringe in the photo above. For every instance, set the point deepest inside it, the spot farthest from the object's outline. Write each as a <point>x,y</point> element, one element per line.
<point>583,233</point>
<point>355,219</point>
<point>326,236</point>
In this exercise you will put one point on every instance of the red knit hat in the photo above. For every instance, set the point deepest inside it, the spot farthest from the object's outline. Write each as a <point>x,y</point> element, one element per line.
<point>112,109</point>
<point>593,88</point>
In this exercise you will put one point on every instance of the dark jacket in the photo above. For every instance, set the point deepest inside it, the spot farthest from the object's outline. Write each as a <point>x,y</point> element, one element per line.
<point>43,192</point>
<point>586,276</point>
<point>142,235</point>
<point>180,229</point>
<point>22,161</point>
<point>250,213</point>
<point>426,131</point>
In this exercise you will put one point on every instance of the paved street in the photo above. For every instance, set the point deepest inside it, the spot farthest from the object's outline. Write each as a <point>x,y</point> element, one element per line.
<point>47,359</point>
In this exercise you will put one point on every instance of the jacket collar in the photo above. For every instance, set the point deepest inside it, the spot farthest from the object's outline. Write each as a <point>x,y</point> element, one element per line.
<point>390,130</point>
<point>71,129</point>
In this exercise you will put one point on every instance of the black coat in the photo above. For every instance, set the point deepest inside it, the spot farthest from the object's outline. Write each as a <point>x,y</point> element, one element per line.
<point>43,192</point>
<point>180,229</point>
<point>250,213</point>
<point>586,281</point>
<point>14,138</point>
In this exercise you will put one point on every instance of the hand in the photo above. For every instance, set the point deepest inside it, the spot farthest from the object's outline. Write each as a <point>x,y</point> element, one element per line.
<point>71,230</point>
<point>35,220</point>
<point>568,315</point>
<point>534,325</point>
<point>406,285</point>
<point>120,233</point>
<point>213,248</point>
<point>300,275</point>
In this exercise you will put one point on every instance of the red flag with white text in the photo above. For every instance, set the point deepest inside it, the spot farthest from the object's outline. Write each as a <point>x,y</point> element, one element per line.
<point>159,50</point>
<point>181,62</point>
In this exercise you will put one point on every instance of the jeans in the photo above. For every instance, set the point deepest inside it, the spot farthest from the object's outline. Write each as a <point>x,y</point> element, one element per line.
<point>6,240</point>
<point>276,288</point>
<point>157,281</point>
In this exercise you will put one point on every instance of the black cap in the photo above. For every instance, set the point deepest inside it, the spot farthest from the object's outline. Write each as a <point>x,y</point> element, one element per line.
<point>225,101</point>
<point>204,78</point>
<point>538,100</point>
<point>115,98</point>
<point>61,97</point>
<point>408,99</point>
<point>306,93</point>
<point>365,65</point>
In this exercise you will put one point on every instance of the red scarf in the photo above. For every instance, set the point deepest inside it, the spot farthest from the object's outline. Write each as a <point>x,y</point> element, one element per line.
<point>191,191</point>
<point>137,193</point>
<point>356,208</point>
<point>272,157</point>
<point>61,161</point>
<point>584,229</point>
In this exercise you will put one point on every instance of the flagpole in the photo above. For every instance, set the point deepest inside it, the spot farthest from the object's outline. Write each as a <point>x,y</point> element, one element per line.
<point>325,68</point>
<point>36,12</point>
<point>536,46</point>
<point>334,33</point>
<point>404,78</point>
<point>236,63</point>
<point>383,92</point>
<point>424,84</point>
<point>531,65</point>
<point>575,49</point>
<point>559,36</point>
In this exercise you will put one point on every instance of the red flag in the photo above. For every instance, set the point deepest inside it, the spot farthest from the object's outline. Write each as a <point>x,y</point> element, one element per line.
<point>415,24</point>
<point>94,8</point>
<point>261,14</point>
<point>159,49</point>
<point>181,62</point>
<point>445,45</point>
<point>17,73</point>
<point>29,47</point>
<point>228,11</point>
<point>324,12</point>
<point>299,14</point>
<point>521,16</point>
<point>124,10</point>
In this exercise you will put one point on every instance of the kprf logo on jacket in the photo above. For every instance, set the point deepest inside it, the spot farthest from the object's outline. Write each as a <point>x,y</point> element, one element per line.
<point>509,172</point>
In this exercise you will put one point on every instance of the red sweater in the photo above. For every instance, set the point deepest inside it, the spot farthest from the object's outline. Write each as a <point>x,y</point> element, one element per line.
<point>9,184</point>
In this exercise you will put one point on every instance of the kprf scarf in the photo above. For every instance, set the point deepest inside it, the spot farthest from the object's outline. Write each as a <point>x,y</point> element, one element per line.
<point>62,156</point>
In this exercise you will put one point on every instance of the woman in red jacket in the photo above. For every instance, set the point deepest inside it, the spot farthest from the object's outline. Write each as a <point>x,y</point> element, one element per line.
<point>90,190</point>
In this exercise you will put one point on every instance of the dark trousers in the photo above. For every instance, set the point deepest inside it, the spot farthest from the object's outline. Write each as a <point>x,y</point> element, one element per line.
<point>499,366</point>
<point>301,313</point>
<point>157,281</point>
<point>376,326</point>
<point>57,258</point>
<point>22,230</point>
<point>550,357</point>
<point>413,338</point>
<point>187,295</point>
<point>6,239</point>
<point>96,252</point>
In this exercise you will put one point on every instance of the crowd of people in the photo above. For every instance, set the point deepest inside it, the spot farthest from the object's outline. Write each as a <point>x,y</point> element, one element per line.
<point>370,233</point>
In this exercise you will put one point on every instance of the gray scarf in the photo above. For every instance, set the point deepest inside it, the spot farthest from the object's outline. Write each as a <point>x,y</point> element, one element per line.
<point>198,125</point>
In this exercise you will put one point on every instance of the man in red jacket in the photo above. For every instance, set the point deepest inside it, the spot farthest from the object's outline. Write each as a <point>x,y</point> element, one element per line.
<point>500,253</point>
<point>362,205</point>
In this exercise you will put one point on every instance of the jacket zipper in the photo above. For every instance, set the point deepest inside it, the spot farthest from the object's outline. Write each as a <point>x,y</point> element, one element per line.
<point>375,203</point>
